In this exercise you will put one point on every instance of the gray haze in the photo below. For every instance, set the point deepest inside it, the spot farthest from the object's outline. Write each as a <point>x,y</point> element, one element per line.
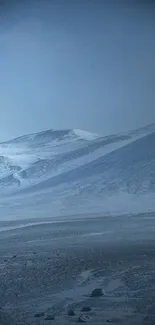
<point>85,64</point>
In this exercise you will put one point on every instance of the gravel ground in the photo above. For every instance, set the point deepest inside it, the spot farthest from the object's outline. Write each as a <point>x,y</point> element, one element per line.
<point>48,268</point>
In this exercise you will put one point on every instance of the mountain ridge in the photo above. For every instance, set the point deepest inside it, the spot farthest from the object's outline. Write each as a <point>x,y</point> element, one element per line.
<point>52,134</point>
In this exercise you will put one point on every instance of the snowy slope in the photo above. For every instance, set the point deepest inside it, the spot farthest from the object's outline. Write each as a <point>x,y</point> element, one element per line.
<point>37,157</point>
<point>64,171</point>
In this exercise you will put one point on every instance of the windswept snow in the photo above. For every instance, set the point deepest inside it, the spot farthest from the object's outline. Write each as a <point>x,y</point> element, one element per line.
<point>58,172</point>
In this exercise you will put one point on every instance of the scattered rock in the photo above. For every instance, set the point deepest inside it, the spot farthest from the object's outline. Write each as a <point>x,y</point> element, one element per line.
<point>97,292</point>
<point>114,320</point>
<point>84,319</point>
<point>71,312</point>
<point>40,314</point>
<point>85,309</point>
<point>50,317</point>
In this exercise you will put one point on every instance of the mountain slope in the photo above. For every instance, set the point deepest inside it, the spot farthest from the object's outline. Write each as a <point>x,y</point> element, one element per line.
<point>67,170</point>
<point>41,156</point>
<point>131,167</point>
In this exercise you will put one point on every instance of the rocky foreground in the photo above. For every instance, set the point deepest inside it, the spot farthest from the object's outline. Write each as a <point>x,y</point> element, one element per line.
<point>94,270</point>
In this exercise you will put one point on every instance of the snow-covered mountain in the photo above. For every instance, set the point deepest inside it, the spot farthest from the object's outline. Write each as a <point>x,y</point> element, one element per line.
<point>59,172</point>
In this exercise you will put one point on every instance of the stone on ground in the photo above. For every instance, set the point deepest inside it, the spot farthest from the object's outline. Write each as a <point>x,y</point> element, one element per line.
<point>85,309</point>
<point>97,292</point>
<point>39,314</point>
<point>50,317</point>
<point>84,319</point>
<point>71,312</point>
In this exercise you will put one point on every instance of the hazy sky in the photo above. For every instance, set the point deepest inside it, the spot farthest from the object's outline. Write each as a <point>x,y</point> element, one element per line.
<point>86,64</point>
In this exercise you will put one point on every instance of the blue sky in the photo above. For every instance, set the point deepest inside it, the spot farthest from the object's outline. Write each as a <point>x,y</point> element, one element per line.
<point>85,64</point>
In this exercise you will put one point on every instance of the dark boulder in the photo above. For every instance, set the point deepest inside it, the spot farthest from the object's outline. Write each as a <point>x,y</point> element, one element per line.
<point>97,293</point>
<point>85,309</point>
<point>71,312</point>
<point>39,314</point>
<point>50,317</point>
